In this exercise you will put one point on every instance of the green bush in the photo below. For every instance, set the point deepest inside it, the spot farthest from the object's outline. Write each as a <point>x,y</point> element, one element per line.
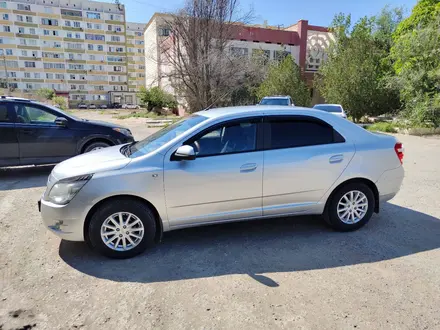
<point>156,97</point>
<point>46,93</point>
<point>383,127</point>
<point>60,102</point>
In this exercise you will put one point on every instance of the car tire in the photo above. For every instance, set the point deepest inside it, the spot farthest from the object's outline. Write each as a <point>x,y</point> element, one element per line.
<point>131,210</point>
<point>95,146</point>
<point>350,207</point>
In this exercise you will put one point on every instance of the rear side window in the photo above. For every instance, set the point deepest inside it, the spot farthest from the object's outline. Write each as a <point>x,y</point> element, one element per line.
<point>291,133</point>
<point>4,116</point>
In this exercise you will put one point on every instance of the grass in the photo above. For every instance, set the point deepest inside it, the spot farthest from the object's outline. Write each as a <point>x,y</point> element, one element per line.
<point>144,114</point>
<point>384,127</point>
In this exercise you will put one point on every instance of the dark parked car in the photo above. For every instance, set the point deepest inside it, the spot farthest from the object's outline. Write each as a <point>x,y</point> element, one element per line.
<point>82,106</point>
<point>33,134</point>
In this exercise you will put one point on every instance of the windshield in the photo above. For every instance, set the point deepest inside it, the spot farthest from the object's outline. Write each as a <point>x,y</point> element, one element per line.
<point>275,101</point>
<point>329,108</point>
<point>162,137</point>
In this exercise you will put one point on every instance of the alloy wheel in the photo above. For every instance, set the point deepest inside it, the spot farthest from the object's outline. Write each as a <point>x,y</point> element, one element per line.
<point>352,207</point>
<point>122,231</point>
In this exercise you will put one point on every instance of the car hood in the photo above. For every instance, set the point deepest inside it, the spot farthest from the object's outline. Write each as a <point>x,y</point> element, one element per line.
<point>107,159</point>
<point>102,123</point>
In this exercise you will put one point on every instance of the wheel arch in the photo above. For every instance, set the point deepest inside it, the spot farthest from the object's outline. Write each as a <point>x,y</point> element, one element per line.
<point>159,224</point>
<point>365,181</point>
<point>92,139</point>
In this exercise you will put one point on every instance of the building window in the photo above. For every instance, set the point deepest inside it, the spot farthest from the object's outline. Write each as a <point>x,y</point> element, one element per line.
<point>280,55</point>
<point>67,23</point>
<point>24,53</point>
<point>117,68</point>
<point>27,75</point>
<point>5,17</point>
<point>11,64</point>
<point>109,27</point>
<point>91,57</point>
<point>89,25</point>
<point>6,28</point>
<point>71,12</point>
<point>34,53</point>
<point>8,51</point>
<point>29,19</point>
<point>93,15</point>
<point>3,4</point>
<point>21,30</point>
<point>20,18</point>
<point>139,42</point>
<point>55,32</point>
<point>164,32</point>
<point>116,38</point>
<point>12,74</point>
<point>89,46</point>
<point>59,76</point>
<point>57,44</point>
<point>49,21</point>
<point>100,48</point>
<point>23,7</point>
<point>72,77</point>
<point>54,66</point>
<point>77,24</point>
<point>69,35</point>
<point>49,75</point>
<point>48,10</point>
<point>81,87</point>
<point>95,37</point>
<point>72,86</point>
<point>239,52</point>
<point>77,36</point>
<point>36,75</point>
<point>28,86</point>
<point>70,56</point>
<point>46,32</point>
<point>32,31</point>
<point>139,34</point>
<point>29,64</point>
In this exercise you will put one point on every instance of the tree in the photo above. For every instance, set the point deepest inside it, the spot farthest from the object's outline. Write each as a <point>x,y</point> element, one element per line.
<point>284,78</point>
<point>155,97</point>
<point>202,68</point>
<point>417,63</point>
<point>46,93</point>
<point>357,69</point>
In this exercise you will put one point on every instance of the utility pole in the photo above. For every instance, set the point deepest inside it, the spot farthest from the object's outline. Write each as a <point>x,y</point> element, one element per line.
<point>6,74</point>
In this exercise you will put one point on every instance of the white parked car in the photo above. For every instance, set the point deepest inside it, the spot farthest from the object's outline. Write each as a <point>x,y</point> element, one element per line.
<point>335,109</point>
<point>130,106</point>
<point>223,165</point>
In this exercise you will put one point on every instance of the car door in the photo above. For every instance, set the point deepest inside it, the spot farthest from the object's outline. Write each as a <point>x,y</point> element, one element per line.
<point>41,139</point>
<point>303,157</point>
<point>223,182</point>
<point>9,151</point>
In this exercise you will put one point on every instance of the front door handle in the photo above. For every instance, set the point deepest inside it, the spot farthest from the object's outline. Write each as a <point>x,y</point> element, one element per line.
<point>336,159</point>
<point>248,167</point>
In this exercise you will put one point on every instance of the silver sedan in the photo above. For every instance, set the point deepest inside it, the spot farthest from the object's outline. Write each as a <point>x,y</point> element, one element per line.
<point>223,165</point>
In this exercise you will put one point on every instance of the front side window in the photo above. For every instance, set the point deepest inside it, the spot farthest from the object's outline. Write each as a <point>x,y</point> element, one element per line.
<point>33,115</point>
<point>226,139</point>
<point>299,132</point>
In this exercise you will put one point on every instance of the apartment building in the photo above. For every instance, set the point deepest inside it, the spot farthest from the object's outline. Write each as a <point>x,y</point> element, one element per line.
<point>306,43</point>
<point>73,46</point>
<point>135,55</point>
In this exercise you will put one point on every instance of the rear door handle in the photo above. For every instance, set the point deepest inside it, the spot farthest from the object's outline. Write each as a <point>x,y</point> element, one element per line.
<point>336,159</point>
<point>248,167</point>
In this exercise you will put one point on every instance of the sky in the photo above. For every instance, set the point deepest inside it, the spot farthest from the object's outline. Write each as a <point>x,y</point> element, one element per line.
<point>276,12</point>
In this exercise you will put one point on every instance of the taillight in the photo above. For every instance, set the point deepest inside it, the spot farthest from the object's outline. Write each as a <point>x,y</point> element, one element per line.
<point>398,148</point>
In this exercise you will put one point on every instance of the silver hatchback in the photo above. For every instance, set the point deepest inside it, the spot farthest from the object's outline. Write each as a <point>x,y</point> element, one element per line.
<point>222,165</point>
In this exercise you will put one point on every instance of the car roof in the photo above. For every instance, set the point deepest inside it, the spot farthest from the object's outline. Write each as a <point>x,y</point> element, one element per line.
<point>258,110</point>
<point>330,104</point>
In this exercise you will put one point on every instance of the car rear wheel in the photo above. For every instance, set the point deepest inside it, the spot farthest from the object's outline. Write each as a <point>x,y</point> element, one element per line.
<point>96,146</point>
<point>122,229</point>
<point>351,207</point>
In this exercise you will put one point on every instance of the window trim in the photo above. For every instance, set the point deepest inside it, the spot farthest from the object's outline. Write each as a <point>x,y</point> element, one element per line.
<point>259,136</point>
<point>267,130</point>
<point>11,114</point>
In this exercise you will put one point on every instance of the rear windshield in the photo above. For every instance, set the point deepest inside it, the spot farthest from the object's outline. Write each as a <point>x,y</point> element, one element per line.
<point>275,101</point>
<point>329,108</point>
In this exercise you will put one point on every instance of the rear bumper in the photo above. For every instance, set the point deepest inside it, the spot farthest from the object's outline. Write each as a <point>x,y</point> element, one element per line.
<point>389,183</point>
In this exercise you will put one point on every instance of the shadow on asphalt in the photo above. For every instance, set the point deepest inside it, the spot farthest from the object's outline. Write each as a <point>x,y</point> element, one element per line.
<point>264,246</point>
<point>12,178</point>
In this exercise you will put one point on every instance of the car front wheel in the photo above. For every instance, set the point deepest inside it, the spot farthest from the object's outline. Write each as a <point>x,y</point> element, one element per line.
<point>351,207</point>
<point>96,146</point>
<point>122,229</point>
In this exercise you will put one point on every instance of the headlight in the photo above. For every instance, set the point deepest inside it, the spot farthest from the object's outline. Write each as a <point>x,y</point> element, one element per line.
<point>123,131</point>
<point>64,190</point>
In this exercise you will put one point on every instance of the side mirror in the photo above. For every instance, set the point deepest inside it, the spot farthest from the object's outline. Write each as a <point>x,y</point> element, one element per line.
<point>61,121</point>
<point>185,153</point>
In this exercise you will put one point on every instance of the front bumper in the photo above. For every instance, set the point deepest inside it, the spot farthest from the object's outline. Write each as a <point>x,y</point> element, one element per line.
<point>65,221</point>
